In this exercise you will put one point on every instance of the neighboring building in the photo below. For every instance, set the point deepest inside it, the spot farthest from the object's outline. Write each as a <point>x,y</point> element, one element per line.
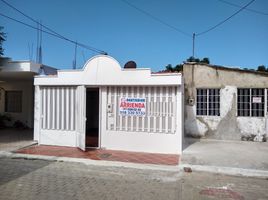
<point>105,106</point>
<point>17,90</point>
<point>225,103</point>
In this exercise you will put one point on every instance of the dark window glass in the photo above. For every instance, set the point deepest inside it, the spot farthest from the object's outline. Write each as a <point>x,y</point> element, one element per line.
<point>13,101</point>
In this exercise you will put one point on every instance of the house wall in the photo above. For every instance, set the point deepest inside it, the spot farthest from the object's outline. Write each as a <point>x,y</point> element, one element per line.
<point>26,116</point>
<point>228,125</point>
<point>104,72</point>
<point>55,113</point>
<point>159,131</point>
<point>112,135</point>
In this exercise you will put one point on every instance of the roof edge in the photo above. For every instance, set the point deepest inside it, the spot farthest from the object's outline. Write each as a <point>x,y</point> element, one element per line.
<point>228,68</point>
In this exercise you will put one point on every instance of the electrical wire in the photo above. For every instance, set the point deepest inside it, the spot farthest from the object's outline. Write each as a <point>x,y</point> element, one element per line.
<point>248,9</point>
<point>32,19</point>
<point>225,20</point>
<point>156,18</point>
<point>55,35</point>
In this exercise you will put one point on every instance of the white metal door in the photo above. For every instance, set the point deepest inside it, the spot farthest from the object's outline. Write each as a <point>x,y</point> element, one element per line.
<point>266,110</point>
<point>81,117</point>
<point>266,125</point>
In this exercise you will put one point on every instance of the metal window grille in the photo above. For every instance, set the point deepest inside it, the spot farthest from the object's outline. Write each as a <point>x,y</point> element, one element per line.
<point>58,108</point>
<point>160,108</point>
<point>201,102</point>
<point>257,108</point>
<point>13,101</point>
<point>250,102</point>
<point>208,102</point>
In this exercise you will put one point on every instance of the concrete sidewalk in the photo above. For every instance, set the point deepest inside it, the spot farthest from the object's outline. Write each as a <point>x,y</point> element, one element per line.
<point>12,139</point>
<point>231,157</point>
<point>103,154</point>
<point>104,163</point>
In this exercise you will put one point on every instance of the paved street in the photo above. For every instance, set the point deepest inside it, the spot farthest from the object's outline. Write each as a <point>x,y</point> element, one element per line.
<point>38,179</point>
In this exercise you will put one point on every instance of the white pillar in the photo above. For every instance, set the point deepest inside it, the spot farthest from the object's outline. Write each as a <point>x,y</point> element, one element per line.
<point>37,113</point>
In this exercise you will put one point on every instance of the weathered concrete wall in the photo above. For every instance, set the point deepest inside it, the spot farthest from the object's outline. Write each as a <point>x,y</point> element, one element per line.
<point>227,126</point>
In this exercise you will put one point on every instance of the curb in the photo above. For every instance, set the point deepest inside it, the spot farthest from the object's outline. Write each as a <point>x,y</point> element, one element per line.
<point>195,168</point>
<point>104,163</point>
<point>227,170</point>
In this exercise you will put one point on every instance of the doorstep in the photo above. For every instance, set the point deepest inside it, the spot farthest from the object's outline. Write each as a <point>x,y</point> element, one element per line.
<point>101,154</point>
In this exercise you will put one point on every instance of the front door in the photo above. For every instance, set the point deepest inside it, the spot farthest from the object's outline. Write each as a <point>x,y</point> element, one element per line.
<point>81,116</point>
<point>92,115</point>
<point>266,116</point>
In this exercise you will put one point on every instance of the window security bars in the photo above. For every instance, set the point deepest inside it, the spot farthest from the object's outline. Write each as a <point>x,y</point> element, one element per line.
<point>250,102</point>
<point>160,110</point>
<point>208,102</point>
<point>58,108</point>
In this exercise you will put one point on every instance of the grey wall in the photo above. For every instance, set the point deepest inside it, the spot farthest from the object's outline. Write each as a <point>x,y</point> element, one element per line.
<point>228,125</point>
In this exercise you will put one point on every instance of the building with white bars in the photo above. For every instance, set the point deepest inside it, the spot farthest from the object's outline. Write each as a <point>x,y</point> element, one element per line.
<point>105,106</point>
<point>225,103</point>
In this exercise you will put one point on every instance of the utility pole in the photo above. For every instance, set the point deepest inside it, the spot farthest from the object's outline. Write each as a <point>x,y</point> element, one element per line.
<point>193,44</point>
<point>75,52</point>
<point>37,44</point>
<point>40,45</point>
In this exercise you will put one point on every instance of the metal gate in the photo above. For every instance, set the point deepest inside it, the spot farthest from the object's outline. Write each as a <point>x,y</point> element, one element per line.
<point>160,114</point>
<point>58,108</point>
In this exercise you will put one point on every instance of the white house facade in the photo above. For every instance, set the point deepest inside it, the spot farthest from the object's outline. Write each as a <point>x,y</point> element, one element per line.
<point>105,106</point>
<point>17,89</point>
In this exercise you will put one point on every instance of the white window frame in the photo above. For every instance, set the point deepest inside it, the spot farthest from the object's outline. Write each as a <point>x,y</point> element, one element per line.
<point>207,106</point>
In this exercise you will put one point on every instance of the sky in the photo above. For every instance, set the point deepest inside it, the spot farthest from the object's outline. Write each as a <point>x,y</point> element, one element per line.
<point>128,34</point>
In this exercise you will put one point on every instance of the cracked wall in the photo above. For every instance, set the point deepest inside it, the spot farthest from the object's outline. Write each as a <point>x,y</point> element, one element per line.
<point>227,126</point>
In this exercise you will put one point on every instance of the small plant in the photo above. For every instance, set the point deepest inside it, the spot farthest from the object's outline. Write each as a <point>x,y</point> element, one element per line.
<point>19,125</point>
<point>248,137</point>
<point>254,138</point>
<point>264,139</point>
<point>3,119</point>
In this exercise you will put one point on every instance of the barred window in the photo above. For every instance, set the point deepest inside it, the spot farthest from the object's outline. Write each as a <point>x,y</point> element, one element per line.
<point>160,109</point>
<point>208,102</point>
<point>250,102</point>
<point>58,108</point>
<point>13,101</point>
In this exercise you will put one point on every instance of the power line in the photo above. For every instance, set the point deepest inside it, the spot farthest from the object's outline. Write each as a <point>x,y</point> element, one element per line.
<point>32,19</point>
<point>225,20</point>
<point>49,29</point>
<point>156,18</point>
<point>55,35</point>
<point>248,9</point>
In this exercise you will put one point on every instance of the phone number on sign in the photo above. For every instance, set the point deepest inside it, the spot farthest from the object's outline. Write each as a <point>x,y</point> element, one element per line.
<point>131,112</point>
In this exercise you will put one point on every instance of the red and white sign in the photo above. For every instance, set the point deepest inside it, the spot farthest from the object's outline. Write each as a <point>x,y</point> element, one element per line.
<point>256,100</point>
<point>132,106</point>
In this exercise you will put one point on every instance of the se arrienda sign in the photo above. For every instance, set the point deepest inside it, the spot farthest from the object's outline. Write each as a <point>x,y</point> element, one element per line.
<point>256,100</point>
<point>132,106</point>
